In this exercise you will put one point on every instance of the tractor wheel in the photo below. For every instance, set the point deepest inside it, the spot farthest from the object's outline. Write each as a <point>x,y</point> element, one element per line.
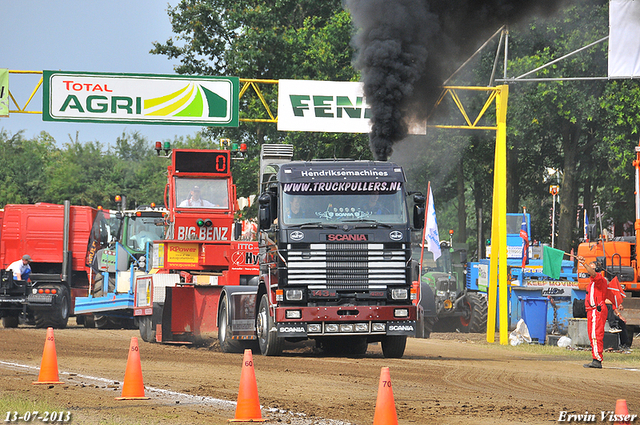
<point>58,316</point>
<point>427,326</point>
<point>97,289</point>
<point>147,331</point>
<point>10,321</point>
<point>393,346</point>
<point>475,317</point>
<point>227,344</point>
<point>270,344</point>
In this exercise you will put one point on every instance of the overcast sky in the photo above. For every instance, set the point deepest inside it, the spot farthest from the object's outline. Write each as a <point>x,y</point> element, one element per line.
<point>82,35</point>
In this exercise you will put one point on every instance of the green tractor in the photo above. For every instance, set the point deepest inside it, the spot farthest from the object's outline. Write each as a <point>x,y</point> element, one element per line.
<point>448,303</point>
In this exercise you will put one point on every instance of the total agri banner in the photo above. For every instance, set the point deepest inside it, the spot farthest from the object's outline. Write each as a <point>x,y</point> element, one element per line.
<point>140,98</point>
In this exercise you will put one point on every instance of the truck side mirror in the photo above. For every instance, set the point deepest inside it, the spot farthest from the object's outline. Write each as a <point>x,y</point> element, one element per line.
<point>418,210</point>
<point>264,211</point>
<point>237,230</point>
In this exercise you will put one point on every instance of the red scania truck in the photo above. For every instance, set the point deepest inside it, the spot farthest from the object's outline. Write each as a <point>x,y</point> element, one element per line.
<point>335,258</point>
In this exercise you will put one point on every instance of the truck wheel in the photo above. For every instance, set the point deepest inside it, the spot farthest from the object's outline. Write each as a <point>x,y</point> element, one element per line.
<point>147,332</point>
<point>579,309</point>
<point>270,344</point>
<point>107,322</point>
<point>10,322</point>
<point>475,317</point>
<point>393,346</point>
<point>227,344</point>
<point>89,321</point>
<point>58,316</point>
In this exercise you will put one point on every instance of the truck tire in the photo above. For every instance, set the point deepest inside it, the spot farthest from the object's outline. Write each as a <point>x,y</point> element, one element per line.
<point>10,322</point>
<point>89,321</point>
<point>475,317</point>
<point>109,322</point>
<point>393,346</point>
<point>227,345</point>
<point>270,344</point>
<point>147,331</point>
<point>58,316</point>
<point>579,309</point>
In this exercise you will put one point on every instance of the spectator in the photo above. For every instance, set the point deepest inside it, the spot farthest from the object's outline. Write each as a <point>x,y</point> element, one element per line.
<point>21,268</point>
<point>617,323</point>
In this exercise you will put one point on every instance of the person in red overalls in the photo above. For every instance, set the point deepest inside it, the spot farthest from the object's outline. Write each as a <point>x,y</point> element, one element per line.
<point>596,311</point>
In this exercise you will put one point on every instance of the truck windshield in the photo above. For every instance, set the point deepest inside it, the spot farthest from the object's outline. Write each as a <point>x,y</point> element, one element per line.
<point>336,207</point>
<point>202,193</point>
<point>142,230</point>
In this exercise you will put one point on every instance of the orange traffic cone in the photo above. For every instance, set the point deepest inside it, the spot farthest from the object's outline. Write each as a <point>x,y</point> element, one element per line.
<point>49,365</point>
<point>385,405</point>
<point>248,406</point>
<point>133,388</point>
<point>622,413</point>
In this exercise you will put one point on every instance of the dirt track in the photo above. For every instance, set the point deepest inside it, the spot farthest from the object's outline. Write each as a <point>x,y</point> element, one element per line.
<point>450,378</point>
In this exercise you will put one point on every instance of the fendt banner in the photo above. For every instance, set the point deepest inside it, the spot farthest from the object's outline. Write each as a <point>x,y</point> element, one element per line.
<point>140,98</point>
<point>327,106</point>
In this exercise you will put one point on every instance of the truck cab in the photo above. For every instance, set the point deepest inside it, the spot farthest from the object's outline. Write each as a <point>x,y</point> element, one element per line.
<point>335,257</point>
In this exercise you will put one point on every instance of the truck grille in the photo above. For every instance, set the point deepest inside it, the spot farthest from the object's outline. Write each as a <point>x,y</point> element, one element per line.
<point>347,265</point>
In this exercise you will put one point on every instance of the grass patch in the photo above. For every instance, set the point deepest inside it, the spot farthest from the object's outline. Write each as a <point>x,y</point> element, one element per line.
<point>610,357</point>
<point>10,403</point>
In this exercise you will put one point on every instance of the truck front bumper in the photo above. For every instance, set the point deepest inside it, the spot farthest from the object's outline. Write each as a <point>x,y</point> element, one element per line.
<point>346,320</point>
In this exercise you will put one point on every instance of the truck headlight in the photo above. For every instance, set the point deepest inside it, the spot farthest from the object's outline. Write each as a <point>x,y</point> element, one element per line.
<point>331,327</point>
<point>399,294</point>
<point>362,327</point>
<point>294,294</point>
<point>378,327</point>
<point>346,327</point>
<point>401,312</point>
<point>314,328</point>
<point>293,314</point>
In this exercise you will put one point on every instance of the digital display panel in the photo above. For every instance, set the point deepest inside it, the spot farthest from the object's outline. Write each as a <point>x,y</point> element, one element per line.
<point>201,162</point>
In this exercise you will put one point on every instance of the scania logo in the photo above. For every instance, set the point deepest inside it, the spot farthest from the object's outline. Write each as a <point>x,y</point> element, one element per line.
<point>296,235</point>
<point>400,328</point>
<point>291,329</point>
<point>350,237</point>
<point>396,235</point>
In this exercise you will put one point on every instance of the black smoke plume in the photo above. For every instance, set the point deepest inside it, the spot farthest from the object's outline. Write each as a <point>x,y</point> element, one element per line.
<point>407,48</point>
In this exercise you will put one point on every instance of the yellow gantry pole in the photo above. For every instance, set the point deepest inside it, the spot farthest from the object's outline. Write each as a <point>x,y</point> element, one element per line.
<point>498,261</point>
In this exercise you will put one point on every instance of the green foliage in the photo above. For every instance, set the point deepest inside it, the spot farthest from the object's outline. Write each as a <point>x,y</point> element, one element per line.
<point>286,39</point>
<point>587,130</point>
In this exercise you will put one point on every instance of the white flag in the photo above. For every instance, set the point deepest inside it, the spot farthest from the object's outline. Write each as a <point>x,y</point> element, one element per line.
<point>432,237</point>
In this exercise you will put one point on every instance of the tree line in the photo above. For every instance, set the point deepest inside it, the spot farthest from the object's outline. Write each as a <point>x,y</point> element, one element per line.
<point>579,135</point>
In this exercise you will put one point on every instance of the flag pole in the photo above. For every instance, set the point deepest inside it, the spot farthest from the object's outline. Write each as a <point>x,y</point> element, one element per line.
<point>424,230</point>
